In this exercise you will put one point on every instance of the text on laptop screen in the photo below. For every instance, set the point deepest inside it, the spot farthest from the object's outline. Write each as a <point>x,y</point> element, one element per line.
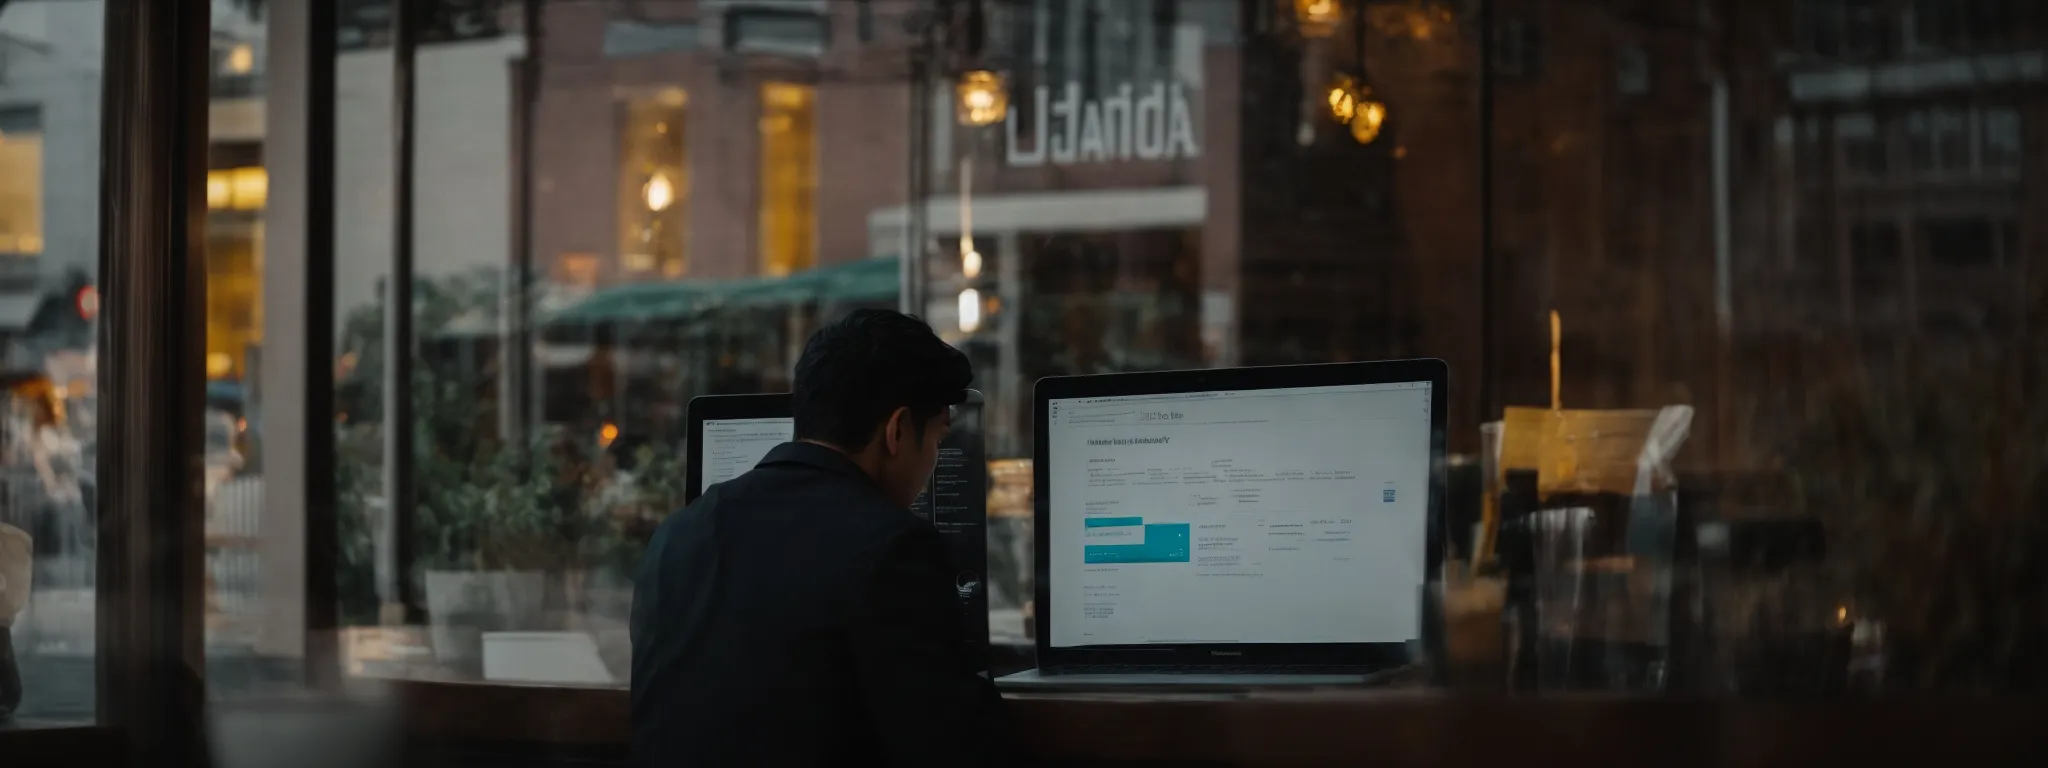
<point>733,446</point>
<point>1259,516</point>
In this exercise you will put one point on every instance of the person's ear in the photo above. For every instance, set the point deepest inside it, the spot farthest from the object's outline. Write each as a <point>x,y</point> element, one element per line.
<point>896,432</point>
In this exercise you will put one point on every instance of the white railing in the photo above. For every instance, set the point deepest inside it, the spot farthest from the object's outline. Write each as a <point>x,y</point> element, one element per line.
<point>61,597</point>
<point>234,563</point>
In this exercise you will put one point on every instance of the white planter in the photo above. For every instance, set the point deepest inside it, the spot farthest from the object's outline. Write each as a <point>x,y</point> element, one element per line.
<point>462,605</point>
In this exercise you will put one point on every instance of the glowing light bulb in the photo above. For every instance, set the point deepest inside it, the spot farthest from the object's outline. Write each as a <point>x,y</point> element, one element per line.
<point>659,192</point>
<point>983,96</point>
<point>241,60</point>
<point>1365,126</point>
<point>970,310</point>
<point>1318,18</point>
<point>1343,103</point>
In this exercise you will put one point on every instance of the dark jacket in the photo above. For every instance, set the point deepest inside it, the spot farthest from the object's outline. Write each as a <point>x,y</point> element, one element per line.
<point>793,616</point>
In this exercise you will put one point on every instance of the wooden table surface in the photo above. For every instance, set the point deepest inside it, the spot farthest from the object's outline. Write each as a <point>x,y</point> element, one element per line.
<point>1382,728</point>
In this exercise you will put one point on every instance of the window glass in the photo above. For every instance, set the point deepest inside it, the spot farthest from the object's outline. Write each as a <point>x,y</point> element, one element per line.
<point>50,83</point>
<point>1863,147</point>
<point>21,197</point>
<point>789,178</point>
<point>653,183</point>
<point>1816,274</point>
<point>1961,243</point>
<point>2001,146</point>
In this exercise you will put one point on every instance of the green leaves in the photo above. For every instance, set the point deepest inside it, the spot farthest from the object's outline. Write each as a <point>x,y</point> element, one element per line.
<point>481,503</point>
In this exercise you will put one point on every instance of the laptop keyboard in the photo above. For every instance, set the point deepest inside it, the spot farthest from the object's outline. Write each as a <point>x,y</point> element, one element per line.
<point>1233,669</point>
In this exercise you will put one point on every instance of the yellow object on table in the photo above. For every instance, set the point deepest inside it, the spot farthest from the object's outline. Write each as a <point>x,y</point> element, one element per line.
<point>1613,451</point>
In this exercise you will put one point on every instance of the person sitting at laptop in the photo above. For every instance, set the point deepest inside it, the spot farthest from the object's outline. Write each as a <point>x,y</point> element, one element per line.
<point>799,614</point>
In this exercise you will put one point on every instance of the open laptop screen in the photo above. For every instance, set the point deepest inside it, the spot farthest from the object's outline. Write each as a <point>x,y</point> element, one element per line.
<point>1289,515</point>
<point>733,446</point>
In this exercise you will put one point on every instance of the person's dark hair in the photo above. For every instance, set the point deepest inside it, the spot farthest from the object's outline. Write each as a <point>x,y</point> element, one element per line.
<point>857,371</point>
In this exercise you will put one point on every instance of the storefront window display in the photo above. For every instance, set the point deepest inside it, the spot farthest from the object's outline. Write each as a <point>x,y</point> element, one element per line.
<point>1818,251</point>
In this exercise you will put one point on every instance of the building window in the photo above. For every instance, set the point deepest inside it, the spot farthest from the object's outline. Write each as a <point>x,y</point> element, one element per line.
<point>1958,141</point>
<point>1518,49</point>
<point>235,198</point>
<point>1874,253</point>
<point>800,29</point>
<point>1959,25</point>
<point>1114,35</point>
<point>1961,243</point>
<point>789,178</point>
<point>1057,61</point>
<point>1938,141</point>
<point>237,189</point>
<point>1808,160</point>
<point>234,295</point>
<point>2001,148</point>
<point>1862,145</point>
<point>654,184</point>
<point>21,181</point>
<point>1165,34</point>
<point>1840,29</point>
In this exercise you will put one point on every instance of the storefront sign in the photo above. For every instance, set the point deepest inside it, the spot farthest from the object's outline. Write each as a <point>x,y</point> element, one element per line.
<point>366,24</point>
<point>1150,124</point>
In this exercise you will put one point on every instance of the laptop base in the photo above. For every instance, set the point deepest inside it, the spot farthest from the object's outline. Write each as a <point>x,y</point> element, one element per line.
<point>1035,680</point>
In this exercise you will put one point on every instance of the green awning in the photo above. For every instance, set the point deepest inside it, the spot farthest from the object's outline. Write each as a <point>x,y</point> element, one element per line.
<point>869,280</point>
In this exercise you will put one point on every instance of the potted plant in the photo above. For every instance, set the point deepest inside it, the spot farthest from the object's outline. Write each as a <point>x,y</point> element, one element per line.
<point>503,533</point>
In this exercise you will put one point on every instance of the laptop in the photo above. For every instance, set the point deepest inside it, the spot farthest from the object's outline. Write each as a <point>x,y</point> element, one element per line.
<point>729,434</point>
<point>1234,528</point>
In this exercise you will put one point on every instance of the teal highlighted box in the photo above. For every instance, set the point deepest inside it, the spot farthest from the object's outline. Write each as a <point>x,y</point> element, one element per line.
<point>1114,522</point>
<point>1164,543</point>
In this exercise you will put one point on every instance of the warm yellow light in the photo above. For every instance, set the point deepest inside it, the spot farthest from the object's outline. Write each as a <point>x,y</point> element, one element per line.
<point>1365,126</point>
<point>1351,103</point>
<point>983,97</point>
<point>607,434</point>
<point>1343,100</point>
<point>217,192</point>
<point>970,310</point>
<point>970,263</point>
<point>659,192</point>
<point>788,187</point>
<point>249,189</point>
<point>241,60</point>
<point>1318,18</point>
<point>239,189</point>
<point>218,364</point>
<point>787,96</point>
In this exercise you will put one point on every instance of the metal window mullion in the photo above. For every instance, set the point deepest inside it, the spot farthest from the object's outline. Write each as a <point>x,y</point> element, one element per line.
<point>150,630</point>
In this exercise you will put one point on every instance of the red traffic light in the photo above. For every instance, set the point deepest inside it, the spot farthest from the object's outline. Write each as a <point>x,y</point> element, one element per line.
<point>88,302</point>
